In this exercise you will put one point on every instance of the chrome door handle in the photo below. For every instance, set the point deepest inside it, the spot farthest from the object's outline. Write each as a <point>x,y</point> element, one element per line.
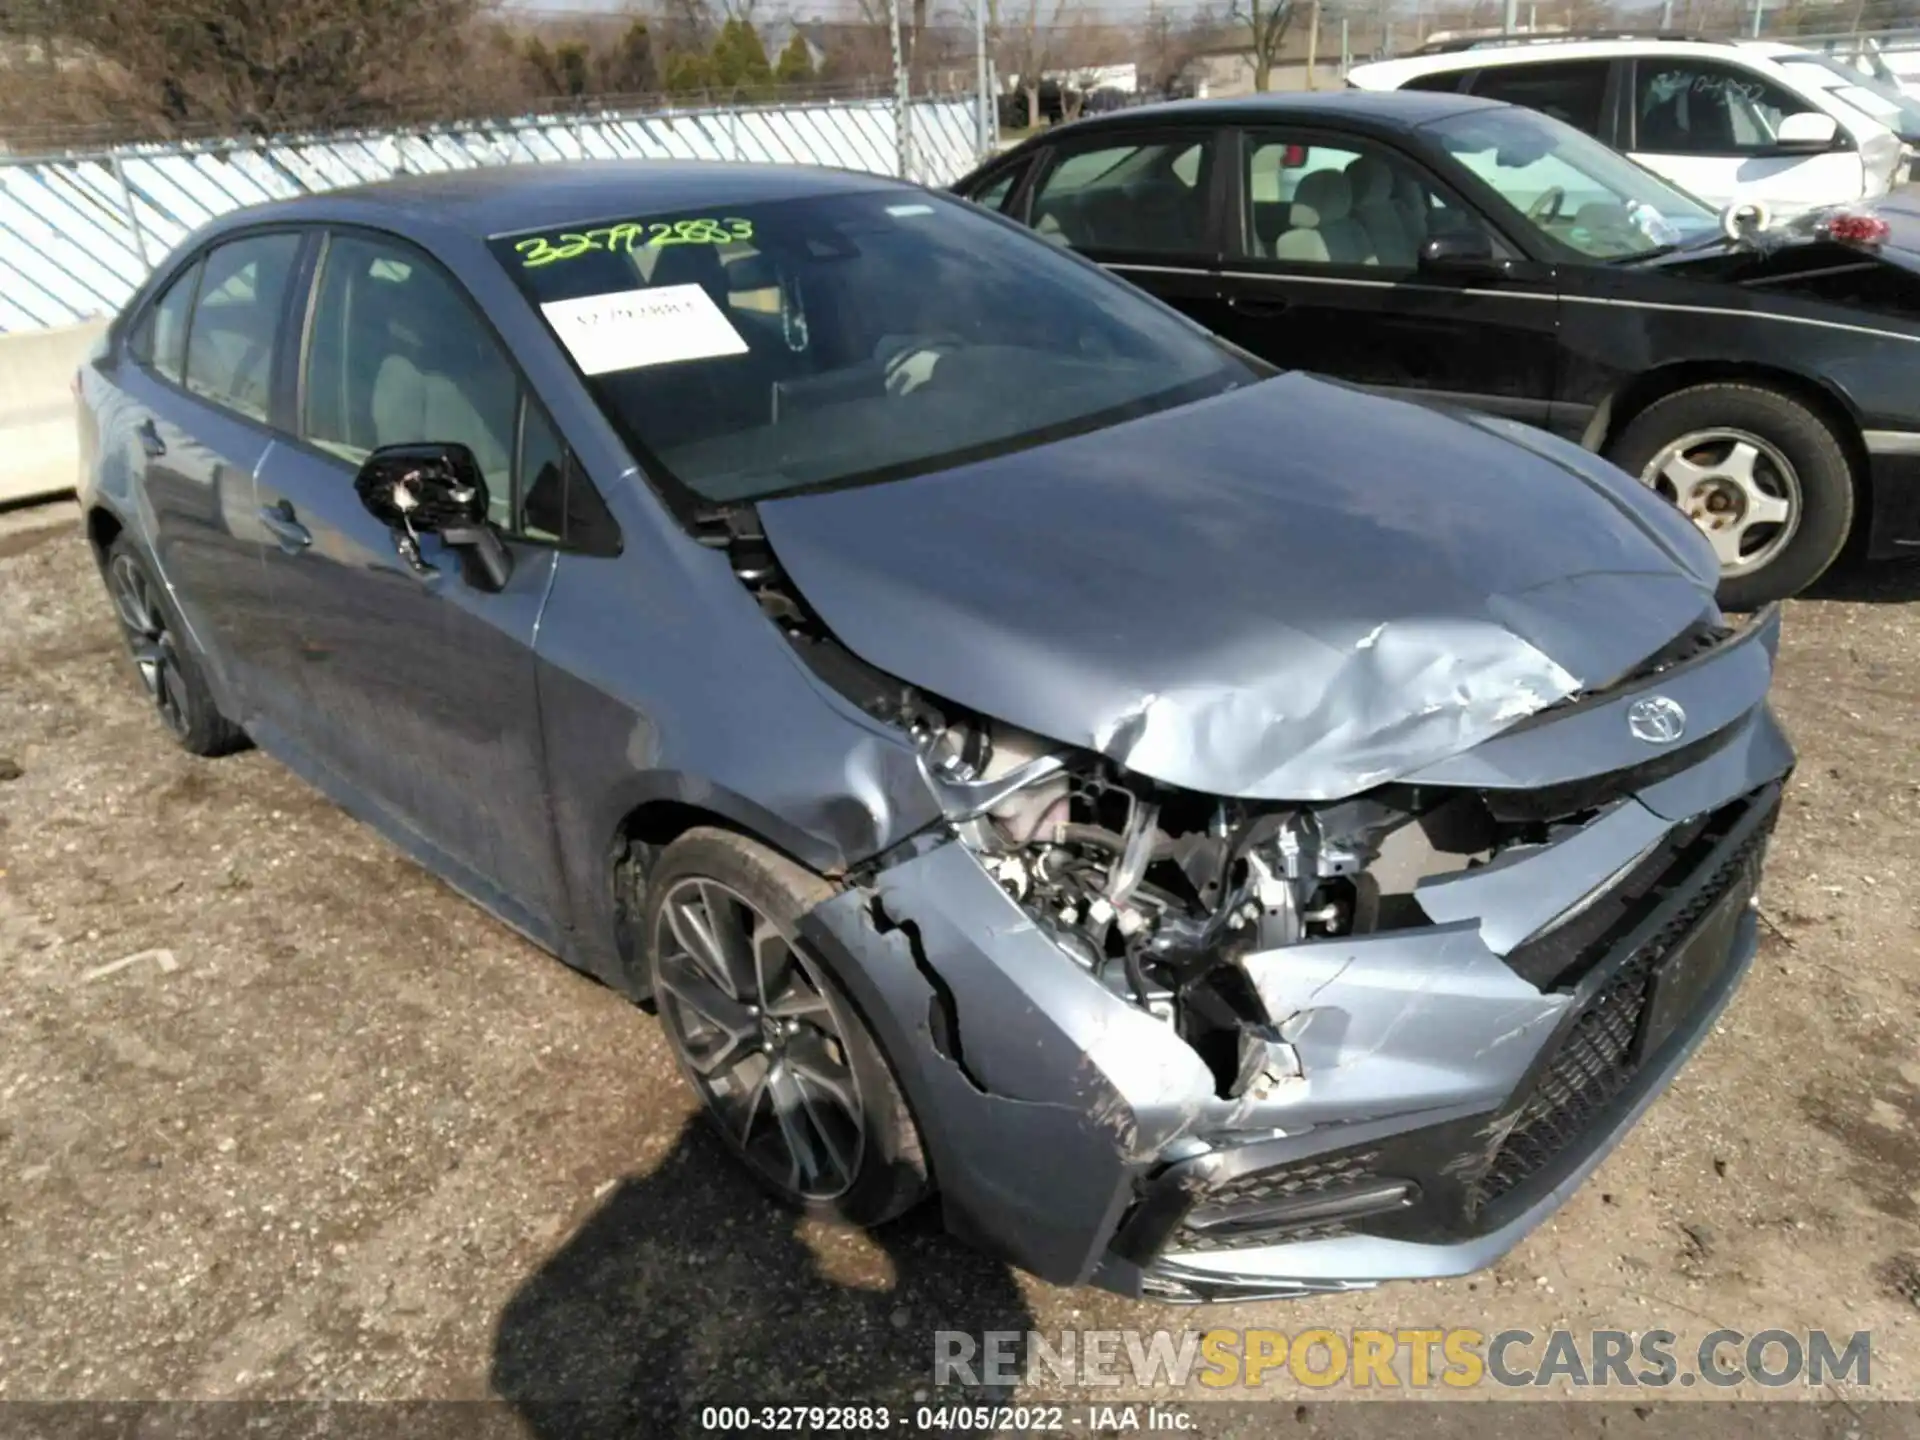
<point>292,536</point>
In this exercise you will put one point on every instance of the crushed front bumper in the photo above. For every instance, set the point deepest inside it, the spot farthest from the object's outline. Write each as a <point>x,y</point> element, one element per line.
<point>1460,1079</point>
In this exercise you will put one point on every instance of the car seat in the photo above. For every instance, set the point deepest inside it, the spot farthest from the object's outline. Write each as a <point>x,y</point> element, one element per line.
<point>1371,180</point>
<point>1320,224</point>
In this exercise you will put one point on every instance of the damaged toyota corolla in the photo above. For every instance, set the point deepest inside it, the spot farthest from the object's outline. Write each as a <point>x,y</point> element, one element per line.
<point>1223,833</point>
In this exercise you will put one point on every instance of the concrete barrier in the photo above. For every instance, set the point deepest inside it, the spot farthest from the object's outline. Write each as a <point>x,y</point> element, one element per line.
<point>39,441</point>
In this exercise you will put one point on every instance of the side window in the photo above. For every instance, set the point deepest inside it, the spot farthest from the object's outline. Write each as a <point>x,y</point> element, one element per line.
<point>558,503</point>
<point>994,194</point>
<point>160,339</point>
<point>1349,204</point>
<point>1569,90</point>
<point>236,321</point>
<point>1446,81</point>
<point>1704,107</point>
<point>396,355</point>
<point>1149,198</point>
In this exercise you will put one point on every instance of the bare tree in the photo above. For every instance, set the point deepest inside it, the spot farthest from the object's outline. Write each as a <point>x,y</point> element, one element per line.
<point>1029,33</point>
<point>1170,43</point>
<point>1261,29</point>
<point>242,64</point>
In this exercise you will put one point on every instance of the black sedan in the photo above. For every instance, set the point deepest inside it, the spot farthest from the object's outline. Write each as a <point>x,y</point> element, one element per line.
<point>1765,380</point>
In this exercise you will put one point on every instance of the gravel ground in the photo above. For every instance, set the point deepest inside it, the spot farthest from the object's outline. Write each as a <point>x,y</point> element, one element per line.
<point>335,1132</point>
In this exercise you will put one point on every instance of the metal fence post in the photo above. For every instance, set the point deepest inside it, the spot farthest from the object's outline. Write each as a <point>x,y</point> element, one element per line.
<point>982,141</point>
<point>900,94</point>
<point>133,215</point>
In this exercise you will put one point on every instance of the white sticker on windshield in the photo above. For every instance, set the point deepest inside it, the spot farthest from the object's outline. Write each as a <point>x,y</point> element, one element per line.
<point>629,329</point>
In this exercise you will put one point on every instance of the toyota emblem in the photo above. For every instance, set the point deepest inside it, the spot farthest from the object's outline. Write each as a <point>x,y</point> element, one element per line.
<point>1657,720</point>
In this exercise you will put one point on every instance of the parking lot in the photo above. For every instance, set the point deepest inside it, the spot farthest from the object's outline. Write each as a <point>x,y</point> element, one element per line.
<point>282,1116</point>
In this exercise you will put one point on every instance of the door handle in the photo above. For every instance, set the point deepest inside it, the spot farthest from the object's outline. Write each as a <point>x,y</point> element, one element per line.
<point>289,533</point>
<point>1260,305</point>
<point>150,440</point>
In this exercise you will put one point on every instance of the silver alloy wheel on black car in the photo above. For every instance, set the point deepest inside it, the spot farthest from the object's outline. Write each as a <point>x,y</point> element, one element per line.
<point>758,1037</point>
<point>1741,492</point>
<point>1763,474</point>
<point>149,640</point>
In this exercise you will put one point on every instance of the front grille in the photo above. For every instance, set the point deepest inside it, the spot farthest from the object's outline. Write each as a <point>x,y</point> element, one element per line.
<point>1211,1225</point>
<point>1595,1059</point>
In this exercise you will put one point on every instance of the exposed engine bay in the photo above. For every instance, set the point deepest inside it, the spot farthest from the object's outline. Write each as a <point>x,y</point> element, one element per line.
<point>1158,892</point>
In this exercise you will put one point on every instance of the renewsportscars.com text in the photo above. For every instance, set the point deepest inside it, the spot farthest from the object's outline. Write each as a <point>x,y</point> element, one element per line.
<point>1365,1359</point>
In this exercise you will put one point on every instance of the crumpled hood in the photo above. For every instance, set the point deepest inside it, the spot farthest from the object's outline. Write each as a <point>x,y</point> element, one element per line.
<point>1293,591</point>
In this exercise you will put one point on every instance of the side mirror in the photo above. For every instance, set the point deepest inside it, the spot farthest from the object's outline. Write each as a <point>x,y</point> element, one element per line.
<point>1807,133</point>
<point>435,489</point>
<point>1460,252</point>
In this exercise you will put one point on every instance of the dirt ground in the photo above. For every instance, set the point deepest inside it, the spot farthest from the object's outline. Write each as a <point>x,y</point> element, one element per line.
<point>335,1132</point>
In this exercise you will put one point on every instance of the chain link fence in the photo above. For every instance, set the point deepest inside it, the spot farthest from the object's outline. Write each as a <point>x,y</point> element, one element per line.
<point>80,229</point>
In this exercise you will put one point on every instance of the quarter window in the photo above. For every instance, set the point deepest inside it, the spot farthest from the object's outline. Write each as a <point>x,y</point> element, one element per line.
<point>1701,107</point>
<point>994,196</point>
<point>1569,90</point>
<point>1145,198</point>
<point>236,321</point>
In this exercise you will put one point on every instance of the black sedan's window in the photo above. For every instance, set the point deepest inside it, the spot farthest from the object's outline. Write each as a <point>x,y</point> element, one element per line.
<point>752,351</point>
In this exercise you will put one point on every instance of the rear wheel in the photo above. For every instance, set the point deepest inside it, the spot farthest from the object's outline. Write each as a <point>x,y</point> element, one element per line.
<point>163,657</point>
<point>789,1075</point>
<point>1759,473</point>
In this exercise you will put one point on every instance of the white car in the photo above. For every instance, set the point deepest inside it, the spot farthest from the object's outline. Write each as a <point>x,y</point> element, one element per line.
<point>1732,122</point>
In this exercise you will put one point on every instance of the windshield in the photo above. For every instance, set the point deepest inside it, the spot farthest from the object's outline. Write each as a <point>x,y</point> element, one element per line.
<point>1570,188</point>
<point>750,351</point>
<point>1874,98</point>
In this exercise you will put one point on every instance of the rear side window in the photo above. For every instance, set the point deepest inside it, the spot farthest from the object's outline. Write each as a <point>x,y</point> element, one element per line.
<point>1569,90</point>
<point>160,339</point>
<point>236,321</point>
<point>1138,197</point>
<point>994,194</point>
<point>1446,81</point>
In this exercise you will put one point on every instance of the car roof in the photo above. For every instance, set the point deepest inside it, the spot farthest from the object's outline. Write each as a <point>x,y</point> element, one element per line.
<point>1379,109</point>
<point>498,199</point>
<point>1387,73</point>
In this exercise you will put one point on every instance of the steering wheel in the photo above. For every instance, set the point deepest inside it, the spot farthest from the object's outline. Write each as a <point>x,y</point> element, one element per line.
<point>912,365</point>
<point>1546,209</point>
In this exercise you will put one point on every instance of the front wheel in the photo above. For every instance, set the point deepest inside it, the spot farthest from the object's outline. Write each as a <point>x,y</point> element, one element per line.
<point>790,1076</point>
<point>1760,474</point>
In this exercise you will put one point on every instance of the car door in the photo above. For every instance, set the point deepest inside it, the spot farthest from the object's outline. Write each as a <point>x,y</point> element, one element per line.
<point>1710,126</point>
<point>1326,275</point>
<point>418,686</point>
<point>200,383</point>
<point>1143,203</point>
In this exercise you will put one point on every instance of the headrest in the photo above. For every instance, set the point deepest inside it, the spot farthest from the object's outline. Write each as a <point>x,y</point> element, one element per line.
<point>1371,179</point>
<point>1320,199</point>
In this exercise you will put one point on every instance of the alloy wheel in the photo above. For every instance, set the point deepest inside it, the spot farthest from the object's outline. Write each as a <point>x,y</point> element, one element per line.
<point>756,1033</point>
<point>1742,493</point>
<point>150,640</point>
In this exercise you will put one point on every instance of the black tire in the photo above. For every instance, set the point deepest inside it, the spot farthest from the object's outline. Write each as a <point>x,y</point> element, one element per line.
<point>1819,470</point>
<point>163,656</point>
<point>889,1175</point>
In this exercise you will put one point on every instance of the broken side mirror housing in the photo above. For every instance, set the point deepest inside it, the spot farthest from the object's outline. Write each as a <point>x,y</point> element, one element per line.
<point>1460,252</point>
<point>435,489</point>
<point>1807,133</point>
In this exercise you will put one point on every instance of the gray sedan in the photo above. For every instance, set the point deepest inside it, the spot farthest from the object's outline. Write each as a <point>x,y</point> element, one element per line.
<point>1222,832</point>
